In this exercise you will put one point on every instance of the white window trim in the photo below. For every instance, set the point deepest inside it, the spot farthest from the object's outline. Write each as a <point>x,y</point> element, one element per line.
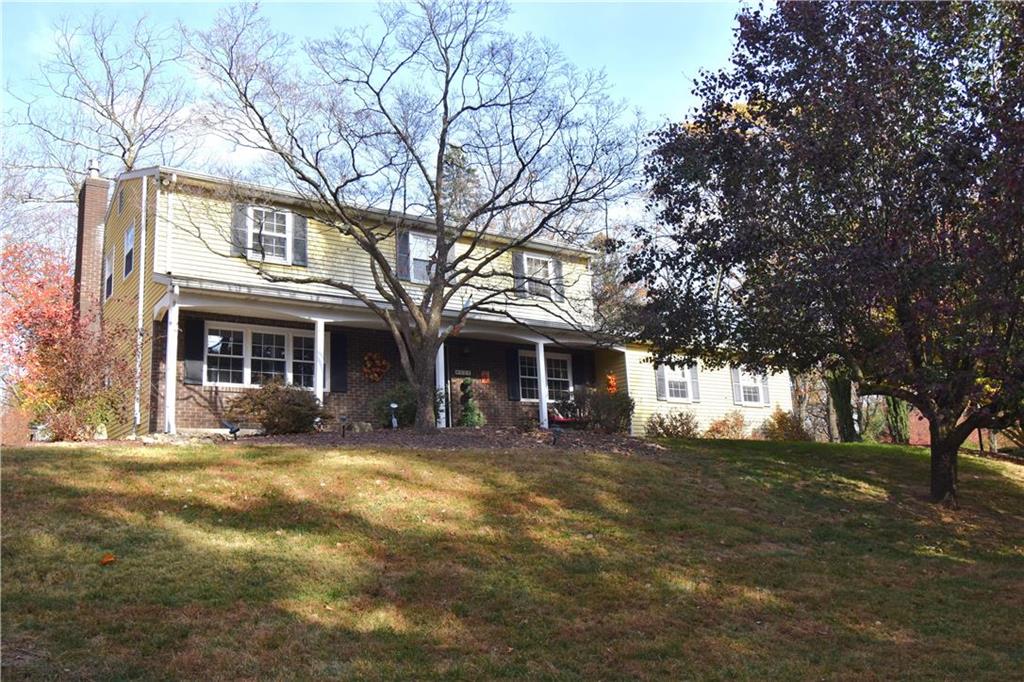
<point>250,232</point>
<point>108,273</point>
<point>128,248</point>
<point>751,381</point>
<point>678,374</point>
<point>547,356</point>
<point>423,236</point>
<point>247,332</point>
<point>527,257</point>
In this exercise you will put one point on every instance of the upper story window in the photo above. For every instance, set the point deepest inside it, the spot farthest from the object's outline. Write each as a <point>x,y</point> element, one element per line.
<point>559,371</point>
<point>538,276</point>
<point>421,250</point>
<point>108,275</point>
<point>129,250</point>
<point>270,234</point>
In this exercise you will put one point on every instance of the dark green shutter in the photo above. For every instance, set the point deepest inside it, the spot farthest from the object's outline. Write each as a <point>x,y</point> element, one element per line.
<point>512,373</point>
<point>583,370</point>
<point>519,274</point>
<point>298,239</point>
<point>558,281</point>
<point>339,362</point>
<point>195,348</point>
<point>402,263</point>
<point>239,234</point>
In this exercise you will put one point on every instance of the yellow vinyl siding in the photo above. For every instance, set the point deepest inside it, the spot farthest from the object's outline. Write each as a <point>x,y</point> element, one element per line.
<point>120,311</point>
<point>715,394</point>
<point>200,246</point>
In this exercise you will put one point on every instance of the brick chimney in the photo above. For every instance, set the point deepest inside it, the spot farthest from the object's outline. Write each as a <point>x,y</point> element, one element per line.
<point>92,207</point>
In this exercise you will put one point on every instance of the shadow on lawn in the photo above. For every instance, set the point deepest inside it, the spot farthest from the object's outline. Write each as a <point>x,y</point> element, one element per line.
<point>579,566</point>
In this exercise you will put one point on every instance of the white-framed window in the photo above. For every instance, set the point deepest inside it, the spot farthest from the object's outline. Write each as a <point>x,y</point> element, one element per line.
<point>539,274</point>
<point>303,358</point>
<point>559,369</point>
<point>129,250</point>
<point>751,389</point>
<point>108,275</point>
<point>225,355</point>
<point>269,361</point>
<point>250,355</point>
<point>677,384</point>
<point>421,250</point>
<point>270,234</point>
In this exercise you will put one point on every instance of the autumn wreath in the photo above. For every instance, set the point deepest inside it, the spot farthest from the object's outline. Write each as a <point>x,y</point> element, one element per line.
<point>375,366</point>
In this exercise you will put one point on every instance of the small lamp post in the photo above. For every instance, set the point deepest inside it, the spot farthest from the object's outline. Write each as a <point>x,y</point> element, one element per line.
<point>394,417</point>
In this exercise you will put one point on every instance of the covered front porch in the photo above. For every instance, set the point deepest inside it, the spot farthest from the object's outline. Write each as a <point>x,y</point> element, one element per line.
<point>207,348</point>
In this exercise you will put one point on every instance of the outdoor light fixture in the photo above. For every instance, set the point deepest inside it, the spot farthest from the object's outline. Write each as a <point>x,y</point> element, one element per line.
<point>394,418</point>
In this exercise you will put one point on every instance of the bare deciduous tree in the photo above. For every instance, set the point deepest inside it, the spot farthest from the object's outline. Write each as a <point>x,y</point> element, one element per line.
<point>489,140</point>
<point>118,97</point>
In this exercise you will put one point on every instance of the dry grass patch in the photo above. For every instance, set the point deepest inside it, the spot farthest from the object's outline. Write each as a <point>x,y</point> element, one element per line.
<point>710,560</point>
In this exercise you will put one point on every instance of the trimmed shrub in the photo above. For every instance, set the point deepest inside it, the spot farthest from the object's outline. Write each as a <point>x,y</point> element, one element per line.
<point>278,408</point>
<point>782,425</point>
<point>598,409</point>
<point>675,424</point>
<point>470,415</point>
<point>611,412</point>
<point>731,426</point>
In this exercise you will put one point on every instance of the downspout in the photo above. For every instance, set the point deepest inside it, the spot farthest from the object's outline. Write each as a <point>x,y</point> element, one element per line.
<point>139,330</point>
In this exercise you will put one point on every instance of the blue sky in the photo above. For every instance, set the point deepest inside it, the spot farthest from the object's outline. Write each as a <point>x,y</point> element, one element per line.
<point>651,51</point>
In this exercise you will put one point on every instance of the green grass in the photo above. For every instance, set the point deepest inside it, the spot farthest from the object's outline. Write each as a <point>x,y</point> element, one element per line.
<point>718,560</point>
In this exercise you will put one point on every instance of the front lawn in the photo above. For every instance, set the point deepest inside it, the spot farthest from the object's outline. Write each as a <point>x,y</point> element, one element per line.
<point>717,560</point>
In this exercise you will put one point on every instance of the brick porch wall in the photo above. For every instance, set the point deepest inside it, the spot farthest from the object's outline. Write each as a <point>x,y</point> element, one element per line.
<point>486,363</point>
<point>202,407</point>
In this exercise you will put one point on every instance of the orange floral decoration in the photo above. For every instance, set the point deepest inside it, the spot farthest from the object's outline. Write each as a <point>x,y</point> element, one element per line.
<point>611,383</point>
<point>375,366</point>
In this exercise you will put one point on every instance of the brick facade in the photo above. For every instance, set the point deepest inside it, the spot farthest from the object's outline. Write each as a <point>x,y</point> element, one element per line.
<point>202,407</point>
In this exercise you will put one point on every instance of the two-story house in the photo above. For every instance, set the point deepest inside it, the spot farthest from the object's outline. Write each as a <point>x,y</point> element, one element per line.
<point>168,253</point>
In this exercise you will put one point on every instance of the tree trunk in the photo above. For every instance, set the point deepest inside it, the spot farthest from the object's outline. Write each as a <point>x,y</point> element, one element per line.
<point>426,393</point>
<point>840,391</point>
<point>944,469</point>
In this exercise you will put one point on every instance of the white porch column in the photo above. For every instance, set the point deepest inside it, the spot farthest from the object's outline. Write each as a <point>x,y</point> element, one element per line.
<point>441,387</point>
<point>542,386</point>
<point>171,367</point>
<point>318,360</point>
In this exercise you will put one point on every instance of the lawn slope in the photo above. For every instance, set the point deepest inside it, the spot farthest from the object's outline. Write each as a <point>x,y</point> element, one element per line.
<point>716,560</point>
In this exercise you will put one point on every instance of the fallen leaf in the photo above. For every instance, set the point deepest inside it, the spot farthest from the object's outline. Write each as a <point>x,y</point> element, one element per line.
<point>107,558</point>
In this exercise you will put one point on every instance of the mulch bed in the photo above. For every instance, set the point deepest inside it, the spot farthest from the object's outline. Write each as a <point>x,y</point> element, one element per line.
<point>459,438</point>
